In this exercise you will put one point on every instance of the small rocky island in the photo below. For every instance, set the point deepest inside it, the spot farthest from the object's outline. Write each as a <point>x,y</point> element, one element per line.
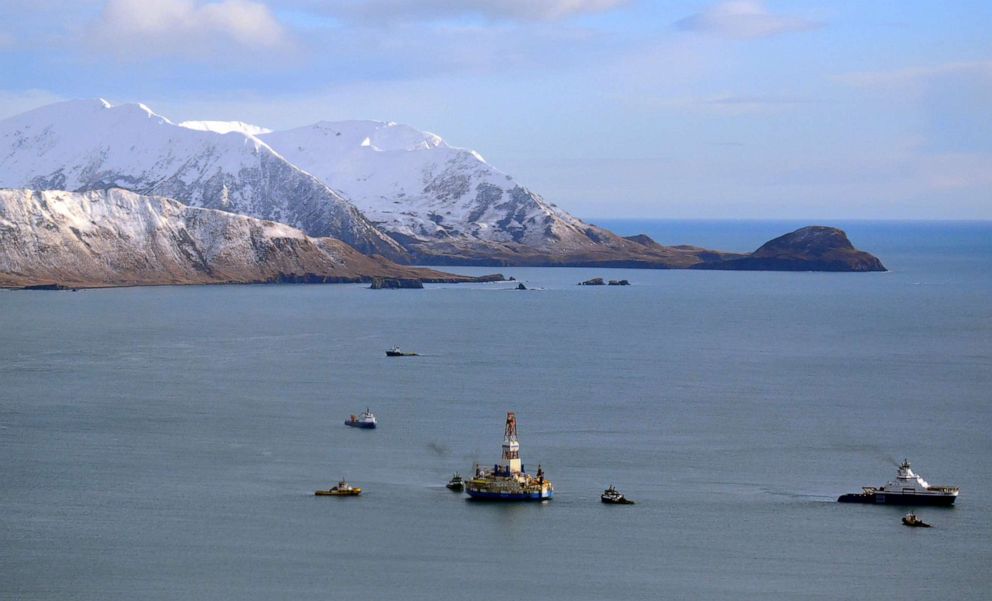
<point>395,283</point>
<point>812,248</point>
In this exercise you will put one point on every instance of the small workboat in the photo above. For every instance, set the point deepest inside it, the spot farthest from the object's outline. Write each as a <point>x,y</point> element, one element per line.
<point>612,496</point>
<point>911,520</point>
<point>343,489</point>
<point>396,352</point>
<point>457,483</point>
<point>366,420</point>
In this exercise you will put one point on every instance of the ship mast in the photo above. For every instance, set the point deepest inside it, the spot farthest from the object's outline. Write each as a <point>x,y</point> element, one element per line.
<point>511,448</point>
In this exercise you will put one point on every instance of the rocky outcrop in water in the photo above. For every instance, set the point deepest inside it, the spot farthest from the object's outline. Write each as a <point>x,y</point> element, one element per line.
<point>812,248</point>
<point>395,283</point>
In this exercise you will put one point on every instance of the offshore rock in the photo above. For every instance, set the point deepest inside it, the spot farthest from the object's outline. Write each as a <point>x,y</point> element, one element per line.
<point>811,248</point>
<point>395,283</point>
<point>593,282</point>
<point>492,277</point>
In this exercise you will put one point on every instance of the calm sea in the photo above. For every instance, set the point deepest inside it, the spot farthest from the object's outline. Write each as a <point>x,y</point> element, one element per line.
<point>165,443</point>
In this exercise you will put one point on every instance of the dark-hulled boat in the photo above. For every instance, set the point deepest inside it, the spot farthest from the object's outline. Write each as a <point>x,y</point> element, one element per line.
<point>365,421</point>
<point>907,489</point>
<point>396,352</point>
<point>612,496</point>
<point>457,483</point>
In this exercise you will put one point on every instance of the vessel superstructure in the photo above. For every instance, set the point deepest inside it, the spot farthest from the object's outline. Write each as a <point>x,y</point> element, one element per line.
<point>507,480</point>
<point>907,489</point>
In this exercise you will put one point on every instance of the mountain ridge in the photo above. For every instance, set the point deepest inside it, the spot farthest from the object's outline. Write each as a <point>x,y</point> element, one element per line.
<point>90,145</point>
<point>120,238</point>
<point>385,188</point>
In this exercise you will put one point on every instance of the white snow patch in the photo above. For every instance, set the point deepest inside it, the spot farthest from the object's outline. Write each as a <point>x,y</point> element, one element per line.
<point>224,127</point>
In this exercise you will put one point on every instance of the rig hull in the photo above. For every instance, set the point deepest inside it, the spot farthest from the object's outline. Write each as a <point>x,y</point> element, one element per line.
<point>507,496</point>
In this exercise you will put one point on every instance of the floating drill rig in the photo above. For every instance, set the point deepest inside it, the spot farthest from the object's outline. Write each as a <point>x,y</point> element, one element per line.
<point>507,481</point>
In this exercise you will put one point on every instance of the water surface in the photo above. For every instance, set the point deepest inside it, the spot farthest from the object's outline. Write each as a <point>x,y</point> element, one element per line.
<point>164,443</point>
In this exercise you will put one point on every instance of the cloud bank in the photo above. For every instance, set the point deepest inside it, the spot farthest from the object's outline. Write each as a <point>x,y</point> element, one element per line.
<point>743,19</point>
<point>425,10</point>
<point>184,28</point>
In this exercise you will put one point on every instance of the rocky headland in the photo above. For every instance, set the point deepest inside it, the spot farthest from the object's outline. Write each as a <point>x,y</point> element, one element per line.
<point>811,248</point>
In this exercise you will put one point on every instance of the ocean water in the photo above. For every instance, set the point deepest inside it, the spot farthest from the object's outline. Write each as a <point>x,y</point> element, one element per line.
<point>165,443</point>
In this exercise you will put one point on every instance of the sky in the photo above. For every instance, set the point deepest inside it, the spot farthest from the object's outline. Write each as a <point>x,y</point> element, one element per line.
<point>609,108</point>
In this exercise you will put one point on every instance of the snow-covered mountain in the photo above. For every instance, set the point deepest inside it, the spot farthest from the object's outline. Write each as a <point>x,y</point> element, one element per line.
<point>117,237</point>
<point>423,200</point>
<point>90,144</point>
<point>442,203</point>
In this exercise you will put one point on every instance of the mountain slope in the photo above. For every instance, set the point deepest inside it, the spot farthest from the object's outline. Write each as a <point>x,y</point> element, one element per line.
<point>449,206</point>
<point>443,204</point>
<point>117,237</point>
<point>90,144</point>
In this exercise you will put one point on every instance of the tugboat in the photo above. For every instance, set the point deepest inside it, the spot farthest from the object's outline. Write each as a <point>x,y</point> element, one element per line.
<point>343,489</point>
<point>912,521</point>
<point>508,481</point>
<point>612,496</point>
<point>457,483</point>
<point>907,489</point>
<point>396,352</point>
<point>365,421</point>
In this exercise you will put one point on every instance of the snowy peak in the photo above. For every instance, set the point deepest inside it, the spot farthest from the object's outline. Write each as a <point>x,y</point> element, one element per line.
<point>379,136</point>
<point>226,127</point>
<point>91,144</point>
<point>428,194</point>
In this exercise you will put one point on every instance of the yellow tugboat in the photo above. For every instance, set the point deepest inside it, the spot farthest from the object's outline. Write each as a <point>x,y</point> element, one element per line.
<point>343,489</point>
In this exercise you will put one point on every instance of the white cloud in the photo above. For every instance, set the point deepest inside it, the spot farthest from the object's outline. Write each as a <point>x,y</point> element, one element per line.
<point>186,28</point>
<point>515,10</point>
<point>744,19</point>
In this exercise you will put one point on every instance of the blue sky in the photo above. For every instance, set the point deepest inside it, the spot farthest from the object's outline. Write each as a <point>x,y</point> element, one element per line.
<point>609,108</point>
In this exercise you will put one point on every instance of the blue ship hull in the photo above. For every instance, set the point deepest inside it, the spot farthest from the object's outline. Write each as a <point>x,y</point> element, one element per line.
<point>362,425</point>
<point>898,499</point>
<point>492,496</point>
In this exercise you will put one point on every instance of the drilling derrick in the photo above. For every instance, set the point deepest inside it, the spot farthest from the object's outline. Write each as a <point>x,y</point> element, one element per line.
<point>511,448</point>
